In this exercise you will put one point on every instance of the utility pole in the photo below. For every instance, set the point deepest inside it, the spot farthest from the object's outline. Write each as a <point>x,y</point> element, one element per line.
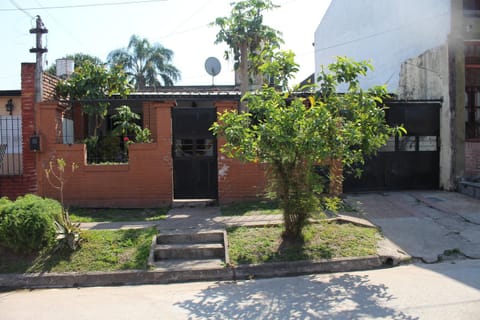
<point>39,50</point>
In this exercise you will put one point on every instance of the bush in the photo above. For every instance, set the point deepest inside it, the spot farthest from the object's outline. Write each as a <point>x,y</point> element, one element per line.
<point>28,224</point>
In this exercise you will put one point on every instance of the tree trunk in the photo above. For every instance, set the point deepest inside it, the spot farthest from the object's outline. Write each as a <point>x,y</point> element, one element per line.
<point>296,197</point>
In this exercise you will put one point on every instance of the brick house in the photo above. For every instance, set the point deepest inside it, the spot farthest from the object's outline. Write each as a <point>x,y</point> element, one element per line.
<point>428,54</point>
<point>182,162</point>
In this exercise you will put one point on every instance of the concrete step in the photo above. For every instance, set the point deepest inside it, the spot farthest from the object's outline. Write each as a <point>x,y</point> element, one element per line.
<point>196,237</point>
<point>188,251</point>
<point>193,203</point>
<point>188,264</point>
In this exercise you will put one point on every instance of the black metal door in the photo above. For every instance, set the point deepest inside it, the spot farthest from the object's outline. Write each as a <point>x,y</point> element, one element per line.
<point>408,162</point>
<point>194,153</point>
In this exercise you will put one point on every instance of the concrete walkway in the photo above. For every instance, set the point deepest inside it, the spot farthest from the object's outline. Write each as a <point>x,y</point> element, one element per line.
<point>190,218</point>
<point>425,224</point>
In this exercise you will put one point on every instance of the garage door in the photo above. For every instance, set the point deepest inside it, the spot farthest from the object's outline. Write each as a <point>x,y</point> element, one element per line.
<point>407,162</point>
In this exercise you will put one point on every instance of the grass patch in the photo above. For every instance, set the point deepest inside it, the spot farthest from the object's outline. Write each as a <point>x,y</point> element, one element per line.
<point>322,241</point>
<point>116,215</point>
<point>251,208</point>
<point>101,250</point>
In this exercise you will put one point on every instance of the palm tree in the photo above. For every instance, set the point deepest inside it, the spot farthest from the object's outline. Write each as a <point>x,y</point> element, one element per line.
<point>148,65</point>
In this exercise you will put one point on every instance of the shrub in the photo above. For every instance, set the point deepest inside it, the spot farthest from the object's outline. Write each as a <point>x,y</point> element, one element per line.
<point>28,224</point>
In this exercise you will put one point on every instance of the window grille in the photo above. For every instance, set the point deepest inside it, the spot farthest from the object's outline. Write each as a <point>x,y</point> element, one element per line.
<point>11,140</point>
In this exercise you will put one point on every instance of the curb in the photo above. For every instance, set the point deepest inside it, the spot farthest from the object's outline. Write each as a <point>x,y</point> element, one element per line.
<point>135,277</point>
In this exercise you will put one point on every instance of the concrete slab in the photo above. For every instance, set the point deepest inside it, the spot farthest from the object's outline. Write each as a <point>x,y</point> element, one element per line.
<point>377,205</point>
<point>473,217</point>
<point>424,223</point>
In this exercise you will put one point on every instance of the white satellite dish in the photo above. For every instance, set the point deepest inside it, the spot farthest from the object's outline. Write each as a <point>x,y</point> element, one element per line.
<point>213,67</point>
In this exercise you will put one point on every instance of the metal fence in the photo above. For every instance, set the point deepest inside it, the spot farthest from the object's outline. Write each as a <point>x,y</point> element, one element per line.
<point>11,145</point>
<point>106,149</point>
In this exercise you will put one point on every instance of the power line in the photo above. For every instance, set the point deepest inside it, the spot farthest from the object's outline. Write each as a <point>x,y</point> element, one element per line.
<point>63,27</point>
<point>383,32</point>
<point>104,4</point>
<point>187,20</point>
<point>20,9</point>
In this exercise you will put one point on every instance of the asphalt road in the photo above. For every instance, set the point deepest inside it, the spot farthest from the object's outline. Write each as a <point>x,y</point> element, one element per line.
<point>448,290</point>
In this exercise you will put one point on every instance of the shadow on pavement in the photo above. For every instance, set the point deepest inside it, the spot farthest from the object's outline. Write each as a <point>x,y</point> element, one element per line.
<point>340,297</point>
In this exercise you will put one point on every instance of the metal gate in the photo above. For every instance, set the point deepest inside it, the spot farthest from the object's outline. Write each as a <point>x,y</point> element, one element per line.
<point>194,153</point>
<point>407,162</point>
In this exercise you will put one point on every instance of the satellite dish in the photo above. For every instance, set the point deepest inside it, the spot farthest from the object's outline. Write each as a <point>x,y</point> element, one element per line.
<point>213,67</point>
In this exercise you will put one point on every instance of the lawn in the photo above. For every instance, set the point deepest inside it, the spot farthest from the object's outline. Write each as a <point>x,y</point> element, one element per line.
<point>116,215</point>
<point>100,251</point>
<point>322,241</point>
<point>107,250</point>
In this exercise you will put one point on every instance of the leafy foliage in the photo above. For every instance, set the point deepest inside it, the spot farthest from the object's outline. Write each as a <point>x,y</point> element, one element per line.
<point>68,233</point>
<point>246,35</point>
<point>124,121</point>
<point>92,83</point>
<point>294,133</point>
<point>147,65</point>
<point>27,224</point>
<point>78,60</point>
<point>144,136</point>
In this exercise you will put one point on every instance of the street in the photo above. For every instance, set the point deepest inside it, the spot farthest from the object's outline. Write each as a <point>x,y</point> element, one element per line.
<point>448,290</point>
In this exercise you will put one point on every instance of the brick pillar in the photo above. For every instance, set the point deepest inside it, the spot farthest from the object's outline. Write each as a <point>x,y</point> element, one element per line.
<point>163,136</point>
<point>15,186</point>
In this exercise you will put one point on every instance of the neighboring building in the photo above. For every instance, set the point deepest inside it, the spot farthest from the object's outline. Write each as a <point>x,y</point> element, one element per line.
<point>427,53</point>
<point>10,133</point>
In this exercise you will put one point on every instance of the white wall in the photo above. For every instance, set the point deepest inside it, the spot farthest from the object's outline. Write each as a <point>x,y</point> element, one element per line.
<point>386,31</point>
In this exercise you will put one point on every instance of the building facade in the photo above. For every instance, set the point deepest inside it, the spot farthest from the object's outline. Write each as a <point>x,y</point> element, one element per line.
<point>422,51</point>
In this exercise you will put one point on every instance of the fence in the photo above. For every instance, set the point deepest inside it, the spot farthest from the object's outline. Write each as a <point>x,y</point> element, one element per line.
<point>11,145</point>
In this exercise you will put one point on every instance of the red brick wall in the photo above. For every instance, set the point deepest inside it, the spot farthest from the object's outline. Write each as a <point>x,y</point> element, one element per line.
<point>472,158</point>
<point>15,186</point>
<point>238,181</point>
<point>146,181</point>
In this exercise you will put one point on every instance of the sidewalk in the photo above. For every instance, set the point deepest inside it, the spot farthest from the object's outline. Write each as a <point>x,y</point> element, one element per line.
<point>190,218</point>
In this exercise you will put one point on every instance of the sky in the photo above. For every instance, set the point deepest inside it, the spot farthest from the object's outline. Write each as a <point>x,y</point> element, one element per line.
<point>97,27</point>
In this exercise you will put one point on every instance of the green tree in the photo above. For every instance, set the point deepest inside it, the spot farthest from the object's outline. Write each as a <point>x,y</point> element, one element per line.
<point>78,60</point>
<point>92,84</point>
<point>246,35</point>
<point>124,121</point>
<point>292,134</point>
<point>147,65</point>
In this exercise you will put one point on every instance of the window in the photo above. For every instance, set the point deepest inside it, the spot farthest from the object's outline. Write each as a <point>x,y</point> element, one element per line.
<point>472,112</point>
<point>471,5</point>
<point>187,148</point>
<point>472,90</point>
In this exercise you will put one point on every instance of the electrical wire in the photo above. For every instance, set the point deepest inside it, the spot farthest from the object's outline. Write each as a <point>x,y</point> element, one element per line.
<point>104,4</point>
<point>63,28</point>
<point>17,7</point>
<point>383,32</point>
<point>202,7</point>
